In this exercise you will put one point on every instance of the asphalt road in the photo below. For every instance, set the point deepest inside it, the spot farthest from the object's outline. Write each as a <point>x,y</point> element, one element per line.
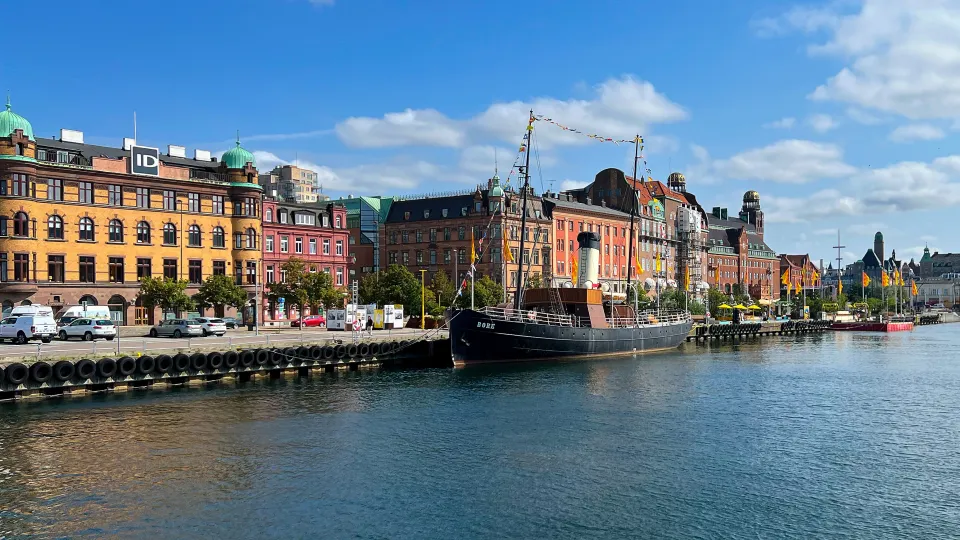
<point>233,338</point>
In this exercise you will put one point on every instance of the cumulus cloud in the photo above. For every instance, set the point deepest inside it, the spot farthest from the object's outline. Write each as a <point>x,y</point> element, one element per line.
<point>790,161</point>
<point>620,107</point>
<point>916,132</point>
<point>783,123</point>
<point>822,123</point>
<point>377,178</point>
<point>862,117</point>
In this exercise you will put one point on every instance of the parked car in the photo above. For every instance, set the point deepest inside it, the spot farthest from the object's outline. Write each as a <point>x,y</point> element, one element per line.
<point>231,322</point>
<point>89,329</point>
<point>310,320</point>
<point>72,313</point>
<point>210,326</point>
<point>176,328</point>
<point>26,327</point>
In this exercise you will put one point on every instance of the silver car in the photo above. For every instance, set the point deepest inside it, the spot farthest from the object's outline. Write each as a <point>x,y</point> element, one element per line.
<point>177,328</point>
<point>211,326</point>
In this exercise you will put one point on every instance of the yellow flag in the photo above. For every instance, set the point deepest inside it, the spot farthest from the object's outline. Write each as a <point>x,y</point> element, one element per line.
<point>574,268</point>
<point>717,276</point>
<point>658,262</point>
<point>913,288</point>
<point>785,278</point>
<point>507,254</point>
<point>885,279</point>
<point>865,279</point>
<point>839,288</point>
<point>789,288</point>
<point>686,280</point>
<point>636,262</point>
<point>473,248</point>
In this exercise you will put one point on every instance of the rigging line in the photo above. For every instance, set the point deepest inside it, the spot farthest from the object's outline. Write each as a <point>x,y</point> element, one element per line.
<point>536,153</point>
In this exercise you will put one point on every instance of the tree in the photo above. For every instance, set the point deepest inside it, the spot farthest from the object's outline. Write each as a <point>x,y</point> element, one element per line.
<point>320,290</point>
<point>486,292</point>
<point>534,282</point>
<point>219,291</point>
<point>715,297</point>
<point>293,289</point>
<point>441,286</point>
<point>696,308</point>
<point>166,293</point>
<point>643,302</point>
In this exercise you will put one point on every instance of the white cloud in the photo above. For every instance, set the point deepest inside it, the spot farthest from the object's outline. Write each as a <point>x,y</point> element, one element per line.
<point>825,232</point>
<point>783,123</point>
<point>902,57</point>
<point>928,238</point>
<point>822,123</point>
<point>916,132</point>
<point>788,161</point>
<point>865,228</point>
<point>620,108</point>
<point>862,117</point>
<point>572,184</point>
<point>378,178</point>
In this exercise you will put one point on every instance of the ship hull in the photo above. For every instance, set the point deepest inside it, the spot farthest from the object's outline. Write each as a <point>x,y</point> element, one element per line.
<point>476,338</point>
<point>872,326</point>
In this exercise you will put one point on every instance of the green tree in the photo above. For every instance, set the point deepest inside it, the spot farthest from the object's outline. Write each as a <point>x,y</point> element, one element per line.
<point>166,293</point>
<point>874,305</point>
<point>534,281</point>
<point>486,292</point>
<point>441,286</point>
<point>321,291</point>
<point>715,298</point>
<point>643,302</point>
<point>370,290</point>
<point>293,289</point>
<point>696,308</point>
<point>219,291</point>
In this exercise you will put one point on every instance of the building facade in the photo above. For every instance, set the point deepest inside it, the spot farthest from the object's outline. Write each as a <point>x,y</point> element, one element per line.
<point>82,223</point>
<point>800,270</point>
<point>365,218</point>
<point>737,255</point>
<point>293,184</point>
<point>314,233</point>
<point>433,234</point>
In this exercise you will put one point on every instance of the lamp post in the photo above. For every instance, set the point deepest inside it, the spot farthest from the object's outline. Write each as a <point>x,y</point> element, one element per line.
<point>423,298</point>
<point>456,269</point>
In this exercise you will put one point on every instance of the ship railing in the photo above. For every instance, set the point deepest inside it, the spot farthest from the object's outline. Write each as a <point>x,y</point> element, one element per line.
<point>650,317</point>
<point>532,317</point>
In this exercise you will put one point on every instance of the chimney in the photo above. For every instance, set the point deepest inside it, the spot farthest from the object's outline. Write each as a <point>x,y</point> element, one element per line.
<point>69,135</point>
<point>716,212</point>
<point>176,151</point>
<point>588,200</point>
<point>723,213</point>
<point>129,143</point>
<point>603,203</point>
<point>201,155</point>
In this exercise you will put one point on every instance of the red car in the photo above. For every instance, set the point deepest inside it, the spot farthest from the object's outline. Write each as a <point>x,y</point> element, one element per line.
<point>309,321</point>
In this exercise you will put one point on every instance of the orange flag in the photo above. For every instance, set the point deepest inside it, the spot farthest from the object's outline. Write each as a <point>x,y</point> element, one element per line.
<point>866,280</point>
<point>913,288</point>
<point>885,279</point>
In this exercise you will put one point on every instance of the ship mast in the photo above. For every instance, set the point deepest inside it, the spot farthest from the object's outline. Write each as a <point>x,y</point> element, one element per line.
<point>523,213</point>
<point>633,211</point>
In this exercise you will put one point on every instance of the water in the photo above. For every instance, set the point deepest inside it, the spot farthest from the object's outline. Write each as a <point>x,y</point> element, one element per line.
<point>834,436</point>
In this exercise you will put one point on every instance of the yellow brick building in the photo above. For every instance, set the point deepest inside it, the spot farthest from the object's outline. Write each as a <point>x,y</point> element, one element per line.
<point>83,223</point>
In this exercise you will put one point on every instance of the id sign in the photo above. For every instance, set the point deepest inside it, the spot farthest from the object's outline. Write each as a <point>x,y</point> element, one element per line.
<point>145,160</point>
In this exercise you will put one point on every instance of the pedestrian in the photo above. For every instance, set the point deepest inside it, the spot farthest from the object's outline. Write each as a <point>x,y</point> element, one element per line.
<point>356,326</point>
<point>370,326</point>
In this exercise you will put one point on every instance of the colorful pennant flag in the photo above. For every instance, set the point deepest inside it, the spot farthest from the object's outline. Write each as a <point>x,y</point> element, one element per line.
<point>593,136</point>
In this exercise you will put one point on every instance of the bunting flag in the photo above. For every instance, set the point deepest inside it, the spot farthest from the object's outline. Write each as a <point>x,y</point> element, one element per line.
<point>574,266</point>
<point>913,288</point>
<point>593,136</point>
<point>507,254</point>
<point>839,288</point>
<point>865,280</point>
<point>785,278</point>
<point>884,279</point>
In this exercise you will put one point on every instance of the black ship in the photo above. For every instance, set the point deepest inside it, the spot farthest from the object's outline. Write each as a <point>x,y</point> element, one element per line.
<point>558,323</point>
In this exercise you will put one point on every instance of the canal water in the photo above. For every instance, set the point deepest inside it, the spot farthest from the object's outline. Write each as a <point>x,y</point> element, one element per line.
<point>833,436</point>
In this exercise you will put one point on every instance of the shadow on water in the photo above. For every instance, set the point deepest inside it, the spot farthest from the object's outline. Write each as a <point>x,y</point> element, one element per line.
<point>836,435</point>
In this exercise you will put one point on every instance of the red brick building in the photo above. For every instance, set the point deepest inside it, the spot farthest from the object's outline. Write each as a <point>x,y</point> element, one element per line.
<point>800,270</point>
<point>315,233</point>
<point>737,256</point>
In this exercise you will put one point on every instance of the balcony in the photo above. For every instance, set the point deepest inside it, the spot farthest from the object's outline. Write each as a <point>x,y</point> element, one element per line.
<point>207,176</point>
<point>62,158</point>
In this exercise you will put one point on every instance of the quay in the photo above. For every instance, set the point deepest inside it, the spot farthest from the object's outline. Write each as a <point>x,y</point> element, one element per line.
<point>40,378</point>
<point>705,333</point>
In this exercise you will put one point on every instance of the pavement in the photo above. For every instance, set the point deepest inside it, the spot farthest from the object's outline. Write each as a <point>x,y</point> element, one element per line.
<point>127,345</point>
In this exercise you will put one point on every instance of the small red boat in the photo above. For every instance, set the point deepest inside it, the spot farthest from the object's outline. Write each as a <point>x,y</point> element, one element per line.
<point>872,326</point>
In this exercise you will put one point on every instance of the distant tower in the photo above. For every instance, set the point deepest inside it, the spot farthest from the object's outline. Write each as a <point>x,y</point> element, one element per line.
<point>677,182</point>
<point>878,245</point>
<point>751,212</point>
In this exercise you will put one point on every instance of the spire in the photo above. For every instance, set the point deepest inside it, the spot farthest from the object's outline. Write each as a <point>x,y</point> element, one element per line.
<point>238,138</point>
<point>496,170</point>
<point>8,101</point>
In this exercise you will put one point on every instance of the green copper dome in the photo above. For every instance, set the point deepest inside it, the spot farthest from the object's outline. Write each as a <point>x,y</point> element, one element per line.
<point>11,121</point>
<point>496,190</point>
<point>237,158</point>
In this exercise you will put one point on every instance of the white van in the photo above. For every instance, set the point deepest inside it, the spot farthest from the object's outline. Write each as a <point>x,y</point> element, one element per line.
<point>26,327</point>
<point>35,309</point>
<point>73,313</point>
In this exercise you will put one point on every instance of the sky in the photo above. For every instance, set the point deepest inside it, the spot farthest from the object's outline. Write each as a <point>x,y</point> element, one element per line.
<point>844,115</point>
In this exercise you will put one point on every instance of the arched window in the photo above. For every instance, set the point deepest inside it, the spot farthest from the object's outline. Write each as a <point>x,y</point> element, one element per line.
<point>21,224</point>
<point>219,239</point>
<point>170,234</point>
<point>268,215</point>
<point>143,232</point>
<point>55,228</point>
<point>251,238</point>
<point>115,229</point>
<point>86,229</point>
<point>193,235</point>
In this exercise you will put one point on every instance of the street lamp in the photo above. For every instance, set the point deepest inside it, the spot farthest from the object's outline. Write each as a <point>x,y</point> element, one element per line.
<point>423,298</point>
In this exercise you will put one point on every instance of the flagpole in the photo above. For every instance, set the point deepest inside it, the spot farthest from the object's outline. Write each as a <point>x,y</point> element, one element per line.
<point>633,203</point>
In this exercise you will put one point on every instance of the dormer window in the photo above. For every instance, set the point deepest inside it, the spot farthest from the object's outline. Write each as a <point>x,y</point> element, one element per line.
<point>443,212</point>
<point>406,216</point>
<point>426,214</point>
<point>478,206</point>
<point>463,211</point>
<point>19,149</point>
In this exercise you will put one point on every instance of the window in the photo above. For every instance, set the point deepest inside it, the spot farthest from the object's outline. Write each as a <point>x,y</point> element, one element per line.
<point>169,199</point>
<point>219,238</point>
<point>313,246</point>
<point>86,192</point>
<point>462,256</point>
<point>406,257</point>
<point>54,189</point>
<point>270,274</point>
<point>116,269</point>
<point>193,202</point>
<point>339,276</point>
<point>405,236</point>
<point>338,223</point>
<point>86,229</point>
<point>326,246</point>
<point>339,247</point>
<point>219,268</point>
<point>143,232</point>
<point>170,269</point>
<point>433,235</point>
<point>446,256</point>
<point>114,195</point>
<point>115,231</point>
<point>193,235</point>
<point>461,233</point>
<point>446,234</point>
<point>88,272</point>
<point>251,238</point>
<point>144,268</point>
<point>55,228</point>
<point>21,267</point>
<point>55,268</point>
<point>238,240</point>
<point>251,272</point>
<point>250,207</point>
<point>169,234</point>
<point>433,256</point>
<point>3,267</point>
<point>238,272</point>
<point>195,271</point>
<point>298,245</point>
<point>283,216</point>
<point>302,218</point>
<point>21,224</point>
<point>419,257</point>
<point>268,215</point>
<point>21,186</point>
<point>268,244</point>
<point>143,197</point>
<point>284,244</point>
<point>419,236</point>
<point>217,201</point>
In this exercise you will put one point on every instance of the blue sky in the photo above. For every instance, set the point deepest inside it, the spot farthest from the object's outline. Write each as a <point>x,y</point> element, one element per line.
<point>841,114</point>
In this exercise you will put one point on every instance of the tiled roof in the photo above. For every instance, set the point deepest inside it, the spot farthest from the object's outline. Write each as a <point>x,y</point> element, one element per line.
<point>432,206</point>
<point>549,203</point>
<point>870,259</point>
